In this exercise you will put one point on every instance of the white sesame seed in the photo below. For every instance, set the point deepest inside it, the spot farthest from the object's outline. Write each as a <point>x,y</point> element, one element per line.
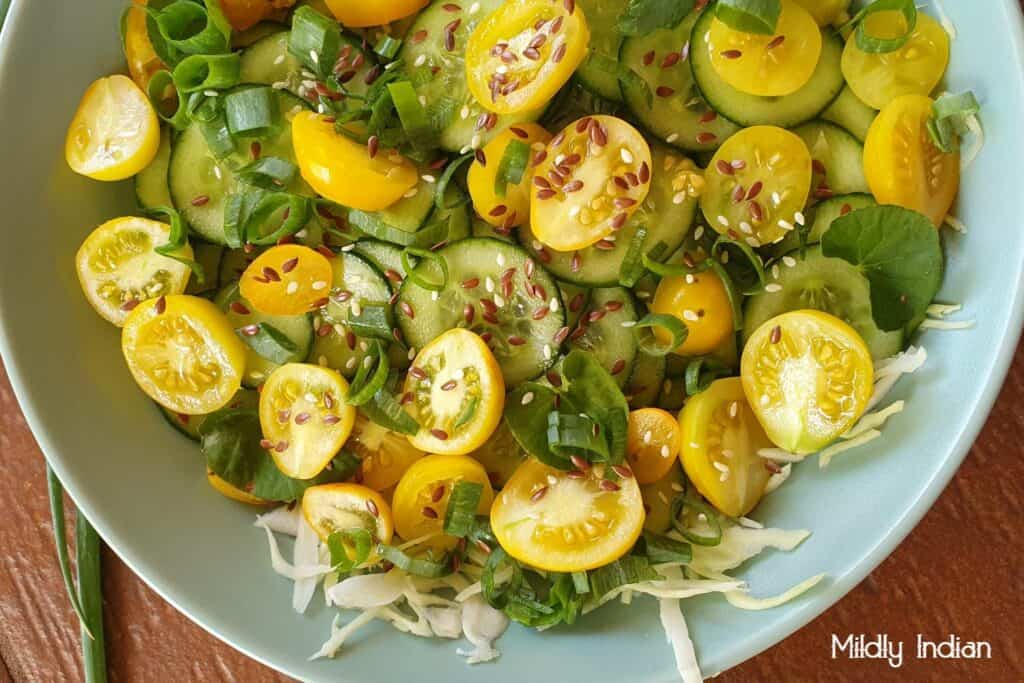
<point>423,100</point>
<point>720,466</point>
<point>723,221</point>
<point>734,409</point>
<point>411,193</point>
<point>626,157</point>
<point>474,8</point>
<point>553,304</point>
<point>648,435</point>
<point>309,397</point>
<point>318,285</point>
<point>278,60</point>
<point>672,138</point>
<point>772,288</point>
<point>339,330</point>
<point>724,477</point>
<point>690,315</point>
<point>574,211</point>
<point>775,271</point>
<point>464,149</point>
<point>788,261</point>
<point>302,234</point>
<point>322,361</point>
<point>502,69</point>
<point>434,296</point>
<point>628,323</point>
<point>314,56</point>
<point>499,301</point>
<point>745,228</point>
<point>420,61</point>
<point>489,284</point>
<point>678,488</point>
<point>464,112</point>
<point>279,85</point>
<point>665,451</point>
<point>291,288</point>
<point>474,142</point>
<point>776,199</point>
<point>547,352</point>
<point>754,242</point>
<point>351,363</point>
<point>500,260</point>
<point>357,310</point>
<point>785,225</point>
<point>217,172</point>
<point>348,247</point>
<point>368,361</point>
<point>412,353</point>
<point>800,218</point>
<point>364,346</point>
<point>537,246</point>
<point>764,399</point>
<point>210,93</point>
<point>699,232</point>
<point>428,178</point>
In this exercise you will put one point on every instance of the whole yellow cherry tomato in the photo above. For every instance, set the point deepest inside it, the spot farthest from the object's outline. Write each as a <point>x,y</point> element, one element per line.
<point>721,438</point>
<point>340,169</point>
<point>808,377</point>
<point>757,184</point>
<point>653,440</point>
<point>288,279</point>
<point>701,302</point>
<point>773,65</point>
<point>658,497</point>
<point>385,455</point>
<point>902,164</point>
<point>118,267</point>
<point>421,497</point>
<point>826,12</point>
<point>115,132</point>
<point>234,493</point>
<point>556,522</point>
<point>304,417</point>
<point>142,59</point>
<point>183,353</point>
<point>456,392</point>
<point>591,178</point>
<point>524,52</point>
<point>512,209</point>
<point>877,78</point>
<point>344,507</point>
<point>361,13</point>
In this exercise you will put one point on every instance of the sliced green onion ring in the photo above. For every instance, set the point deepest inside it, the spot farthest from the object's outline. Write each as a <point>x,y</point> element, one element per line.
<point>416,277</point>
<point>269,173</point>
<point>749,16</point>
<point>364,386</point>
<point>571,434</point>
<point>446,178</point>
<point>193,28</point>
<point>874,44</point>
<point>751,257</point>
<point>672,269</point>
<point>387,47</point>
<point>460,517</point>
<point>702,371</point>
<point>177,239</point>
<point>413,116</point>
<point>416,566</point>
<point>679,504</point>
<point>161,98</point>
<point>315,40</point>
<point>386,411</point>
<point>296,214</point>
<point>671,324</point>
<point>269,342</point>
<point>349,548</point>
<point>207,72</point>
<point>664,549</point>
<point>949,119</point>
<point>252,112</point>
<point>513,165</point>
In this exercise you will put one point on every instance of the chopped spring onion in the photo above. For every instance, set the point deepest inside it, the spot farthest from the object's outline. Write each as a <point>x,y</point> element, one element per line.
<point>705,512</point>
<point>371,322</point>
<point>388,47</point>
<point>441,192</point>
<point>413,274</point>
<point>749,16</point>
<point>193,28</point>
<point>314,40</point>
<point>349,548</point>
<point>512,167</point>
<point>735,297</point>
<point>580,583</point>
<point>460,517</point>
<point>385,410</point>
<point>950,114</point>
<point>237,208</point>
<point>752,280</point>
<point>413,565</point>
<point>176,240</point>
<point>648,341</point>
<point>874,44</point>
<point>90,595</point>
<point>269,342</point>
<point>413,116</point>
<point>623,572</point>
<point>365,386</point>
<point>163,94</point>
<point>218,137</point>
<point>672,269</point>
<point>502,576</point>
<point>664,549</point>
<point>207,72</point>
<point>702,371</point>
<point>632,269</point>
<point>292,210</point>
<point>252,112</point>
<point>571,434</point>
<point>268,173</point>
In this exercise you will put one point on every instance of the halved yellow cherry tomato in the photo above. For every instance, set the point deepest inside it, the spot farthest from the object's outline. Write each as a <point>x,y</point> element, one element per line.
<point>118,267</point>
<point>340,507</point>
<point>385,455</point>
<point>421,497</point>
<point>591,178</point>
<point>456,392</point>
<point>244,14</point>
<point>701,302</point>
<point>142,59</point>
<point>288,279</point>
<point>304,418</point>
<point>556,522</point>
<point>360,13</point>
<point>524,52</point>
<point>808,377</point>
<point>513,209</point>
<point>877,78</point>
<point>340,169</point>
<point>183,353</point>
<point>902,164</point>
<point>772,65</point>
<point>658,497</point>
<point>826,12</point>
<point>721,438</point>
<point>653,440</point>
<point>757,184</point>
<point>500,455</point>
<point>115,132</point>
<point>234,493</point>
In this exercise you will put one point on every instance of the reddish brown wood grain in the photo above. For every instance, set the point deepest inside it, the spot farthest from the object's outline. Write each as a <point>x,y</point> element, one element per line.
<point>957,573</point>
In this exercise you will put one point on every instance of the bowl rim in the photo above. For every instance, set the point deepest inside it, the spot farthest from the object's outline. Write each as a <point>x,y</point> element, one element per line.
<point>803,614</point>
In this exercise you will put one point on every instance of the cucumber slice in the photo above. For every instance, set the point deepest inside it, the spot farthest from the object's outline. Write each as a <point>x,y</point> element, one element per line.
<point>825,284</point>
<point>189,424</point>
<point>387,258</point>
<point>823,214</point>
<point>575,299</point>
<point>679,115</point>
<point>850,113</point>
<point>605,40</point>
<point>208,256</point>
<point>482,228</point>
<point>572,103</point>
<point>297,328</point>
<point>232,264</point>
<point>356,285</point>
<point>250,36</point>
<point>439,75</point>
<point>646,380</point>
<point>200,183</point>
<point>665,221</point>
<point>840,153</point>
<point>750,110</point>
<point>519,333</point>
<point>407,215</point>
<point>601,332</point>
<point>151,187</point>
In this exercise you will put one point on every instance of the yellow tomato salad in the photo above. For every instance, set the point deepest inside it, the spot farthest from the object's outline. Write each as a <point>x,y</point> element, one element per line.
<point>506,309</point>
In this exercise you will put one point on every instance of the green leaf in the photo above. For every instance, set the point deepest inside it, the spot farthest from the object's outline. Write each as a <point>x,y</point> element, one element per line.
<point>526,412</point>
<point>460,517</point>
<point>749,16</point>
<point>643,16</point>
<point>899,252</point>
<point>594,392</point>
<point>664,549</point>
<point>270,343</point>
<point>627,570</point>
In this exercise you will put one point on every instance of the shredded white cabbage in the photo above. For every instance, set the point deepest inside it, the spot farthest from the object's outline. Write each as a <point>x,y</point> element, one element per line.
<point>748,602</point>
<point>946,325</point>
<point>825,457</point>
<point>780,455</point>
<point>942,310</point>
<point>368,590</point>
<point>305,554</point>
<point>971,154</point>
<point>283,520</point>
<point>678,636</point>
<point>889,371</point>
<point>778,479</point>
<point>955,223</point>
<point>875,420</point>
<point>339,634</point>
<point>739,544</point>
<point>481,625</point>
<point>286,569</point>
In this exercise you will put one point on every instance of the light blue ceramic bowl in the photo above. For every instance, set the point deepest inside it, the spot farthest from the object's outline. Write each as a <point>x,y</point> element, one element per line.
<point>143,486</point>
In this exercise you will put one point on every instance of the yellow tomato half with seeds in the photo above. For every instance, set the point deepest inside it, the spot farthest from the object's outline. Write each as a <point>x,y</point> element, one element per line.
<point>878,78</point>
<point>288,279</point>
<point>118,266</point>
<point>592,177</point>
<point>358,176</point>
<point>808,377</point>
<point>183,353</point>
<point>421,497</point>
<point>384,455</point>
<point>772,65</point>
<point>653,440</point>
<point>456,392</point>
<point>701,302</point>
<point>305,418</point>
<point>115,132</point>
<point>345,507</point>
<point>563,522</point>
<point>902,164</point>
<point>512,208</point>
<point>524,52</point>
<point>362,13</point>
<point>757,185</point>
